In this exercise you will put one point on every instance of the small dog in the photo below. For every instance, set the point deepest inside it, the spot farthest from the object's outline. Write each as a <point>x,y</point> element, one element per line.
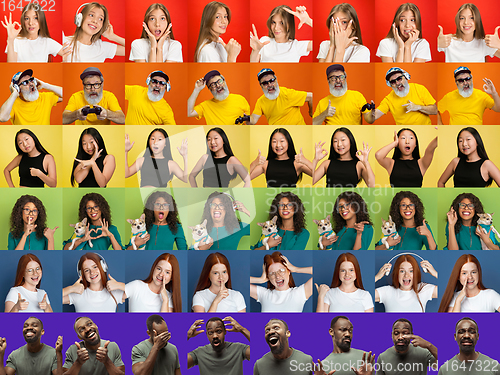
<point>269,229</point>
<point>200,234</point>
<point>324,228</point>
<point>80,230</point>
<point>486,222</point>
<point>138,229</point>
<point>388,229</point>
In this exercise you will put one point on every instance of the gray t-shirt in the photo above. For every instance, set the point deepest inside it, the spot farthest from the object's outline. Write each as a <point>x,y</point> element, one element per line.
<point>414,362</point>
<point>92,366</point>
<point>167,359</point>
<point>342,362</point>
<point>298,363</point>
<point>25,362</point>
<point>228,362</point>
<point>483,365</point>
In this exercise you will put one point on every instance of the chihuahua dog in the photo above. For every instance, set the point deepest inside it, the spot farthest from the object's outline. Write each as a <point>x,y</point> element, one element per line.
<point>138,229</point>
<point>80,230</point>
<point>388,229</point>
<point>269,229</point>
<point>486,222</point>
<point>324,229</point>
<point>200,234</point>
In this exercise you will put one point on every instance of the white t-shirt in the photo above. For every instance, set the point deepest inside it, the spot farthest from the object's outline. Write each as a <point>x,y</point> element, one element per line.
<point>96,52</point>
<point>290,300</point>
<point>232,303</point>
<point>32,297</point>
<point>172,50</point>
<point>92,301</point>
<point>37,50</point>
<point>486,301</point>
<point>397,300</point>
<point>420,49</point>
<point>290,51</point>
<point>474,51</point>
<point>353,53</point>
<point>212,52</point>
<point>142,299</point>
<point>358,301</point>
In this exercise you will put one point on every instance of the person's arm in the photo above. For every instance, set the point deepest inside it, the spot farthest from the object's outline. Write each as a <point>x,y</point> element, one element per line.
<point>109,34</point>
<point>49,179</point>
<point>256,45</point>
<point>486,238</point>
<point>258,166</point>
<point>233,326</point>
<point>391,241</point>
<point>241,170</point>
<point>102,356</point>
<point>490,89</point>
<point>137,165</point>
<point>412,38</point>
<point>492,171</point>
<point>103,177</point>
<point>146,367</point>
<point>257,280</point>
<point>452,238</point>
<point>106,232</point>
<point>440,119</point>
<point>12,33</point>
<point>196,170</point>
<point>448,172</point>
<point>20,305</point>
<point>69,117</point>
<point>419,341</point>
<point>328,112</point>
<point>424,230</point>
<point>59,356</point>
<point>198,86</point>
<point>58,90</point>
<point>76,288</point>
<point>12,165</point>
<point>302,164</point>
<point>4,370</point>
<point>426,160</point>
<point>181,174</point>
<point>322,306</point>
<point>342,40</point>
<point>319,153</point>
<point>309,101</point>
<point>44,305</point>
<point>366,172</point>
<point>253,119</point>
<point>6,107</point>
<point>381,155</point>
<point>373,115</point>
<point>117,117</point>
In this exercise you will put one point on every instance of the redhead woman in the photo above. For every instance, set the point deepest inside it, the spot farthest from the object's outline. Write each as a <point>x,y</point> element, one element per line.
<point>26,295</point>
<point>214,292</point>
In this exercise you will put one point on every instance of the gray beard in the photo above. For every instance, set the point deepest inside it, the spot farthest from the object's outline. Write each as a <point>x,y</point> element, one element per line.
<point>338,93</point>
<point>153,97</point>
<point>92,101</point>
<point>272,96</point>
<point>465,94</point>
<point>31,96</point>
<point>222,96</point>
<point>402,94</point>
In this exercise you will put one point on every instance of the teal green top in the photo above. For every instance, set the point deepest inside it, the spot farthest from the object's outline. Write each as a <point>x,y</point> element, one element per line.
<point>467,238</point>
<point>289,240</point>
<point>162,238</point>
<point>32,242</point>
<point>347,238</point>
<point>410,239</point>
<point>102,243</point>
<point>223,240</point>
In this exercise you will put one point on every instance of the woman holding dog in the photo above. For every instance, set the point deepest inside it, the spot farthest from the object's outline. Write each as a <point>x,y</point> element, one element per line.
<point>413,233</point>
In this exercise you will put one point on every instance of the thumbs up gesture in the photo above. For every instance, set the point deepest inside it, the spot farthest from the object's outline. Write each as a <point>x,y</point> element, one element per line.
<point>102,352</point>
<point>423,230</point>
<point>21,304</point>
<point>444,41</point>
<point>300,158</point>
<point>492,40</point>
<point>260,159</point>
<point>330,111</point>
<point>43,303</point>
<point>112,284</point>
<point>83,354</point>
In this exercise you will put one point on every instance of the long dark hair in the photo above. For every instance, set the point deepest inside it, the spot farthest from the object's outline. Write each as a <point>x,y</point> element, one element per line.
<point>478,209</point>
<point>334,155</point>
<point>291,147</point>
<point>213,259</point>
<point>299,217</point>
<point>173,214</point>
<point>100,201</point>
<point>231,222</point>
<point>16,217</point>
<point>416,152</point>
<point>360,205</point>
<point>481,150</point>
<point>82,155</point>
<point>167,152</point>
<point>346,257</point>
<point>38,145</point>
<point>396,214</point>
<point>226,147</point>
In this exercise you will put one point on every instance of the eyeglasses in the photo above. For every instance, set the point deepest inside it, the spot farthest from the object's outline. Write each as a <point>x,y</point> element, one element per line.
<point>27,211</point>
<point>216,206</point>
<point>265,83</point>
<point>285,205</point>
<point>344,206</point>
<point>27,82</point>
<point>280,272</point>
<point>410,206</point>
<point>93,208</point>
<point>31,271</point>
<point>95,86</point>
<point>396,80</point>
<point>157,82</point>
<point>213,85</point>
<point>470,206</point>
<point>161,206</point>
<point>462,80</point>
<point>332,79</point>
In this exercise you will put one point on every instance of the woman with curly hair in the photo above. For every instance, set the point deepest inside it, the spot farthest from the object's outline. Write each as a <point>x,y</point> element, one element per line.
<point>291,223</point>
<point>463,231</point>
<point>224,227</point>
<point>26,295</point>
<point>408,213</point>
<point>351,223</point>
<point>465,291</point>
<point>281,294</point>
<point>28,226</point>
<point>162,224</point>
<point>214,292</point>
<point>472,167</point>
<point>346,293</point>
<point>100,232</point>
<point>407,293</point>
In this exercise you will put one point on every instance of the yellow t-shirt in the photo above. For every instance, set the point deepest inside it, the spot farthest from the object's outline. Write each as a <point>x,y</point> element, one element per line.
<point>142,111</point>
<point>418,95</point>
<point>347,108</point>
<point>108,102</point>
<point>33,113</point>
<point>466,111</point>
<point>285,110</point>
<point>223,112</point>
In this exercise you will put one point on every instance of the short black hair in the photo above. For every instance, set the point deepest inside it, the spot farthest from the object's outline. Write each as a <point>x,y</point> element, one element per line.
<point>404,321</point>
<point>77,319</point>
<point>334,320</point>
<point>467,318</point>
<point>155,318</point>
<point>215,319</point>
<point>41,323</point>
<point>282,321</point>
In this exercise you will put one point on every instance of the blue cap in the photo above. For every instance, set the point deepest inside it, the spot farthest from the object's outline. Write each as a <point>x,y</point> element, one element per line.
<point>16,77</point>
<point>460,70</point>
<point>395,70</point>
<point>264,72</point>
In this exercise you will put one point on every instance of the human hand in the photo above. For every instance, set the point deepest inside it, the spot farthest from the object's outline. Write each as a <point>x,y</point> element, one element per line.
<point>104,113</point>
<point>195,328</point>
<point>320,370</point>
<point>14,90</point>
<point>142,239</point>
<point>360,227</point>
<point>78,287</point>
<point>232,325</point>
<point>104,229</point>
<point>329,111</point>
<point>288,264</point>
<point>444,41</point>
<point>30,227</point>
<point>452,217</point>
<point>492,40</point>
<point>489,87</point>
<point>301,13</point>
<point>331,33</point>
<point>418,341</point>
<point>255,43</point>
<point>426,265</point>
<point>322,289</point>
<point>160,340</point>
<point>396,139</point>
<point>151,37</point>
<point>260,160</point>
<point>319,151</point>
<point>3,345</point>
<point>393,241</point>
<point>397,37</point>
<point>109,32</point>
<point>412,37</point>
<point>21,304</point>
<point>274,241</point>
<point>364,154</point>
<point>480,231</point>
<point>112,284</point>
<point>67,49</point>
<point>223,292</point>
<point>233,49</point>
<point>343,35</point>
<point>384,270</point>
<point>411,107</point>
<point>328,241</point>
<point>165,35</point>
<point>163,290</point>
<point>43,303</point>
<point>199,84</point>
<point>183,150</point>
<point>128,145</point>
<point>367,363</point>
<point>35,172</point>
<point>80,115</point>
<point>300,158</point>
<point>59,344</point>
<point>12,31</point>
<point>102,352</point>
<point>423,230</point>
<point>82,353</point>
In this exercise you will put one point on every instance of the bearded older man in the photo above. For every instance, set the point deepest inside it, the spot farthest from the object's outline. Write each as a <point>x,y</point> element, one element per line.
<point>93,105</point>
<point>26,105</point>
<point>466,105</point>
<point>409,103</point>
<point>224,108</point>
<point>342,106</point>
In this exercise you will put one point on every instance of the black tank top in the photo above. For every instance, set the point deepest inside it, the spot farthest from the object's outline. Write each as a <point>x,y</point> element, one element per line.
<point>281,173</point>
<point>406,173</point>
<point>157,177</point>
<point>215,173</point>
<point>342,173</point>
<point>468,174</point>
<point>25,177</point>
<point>90,181</point>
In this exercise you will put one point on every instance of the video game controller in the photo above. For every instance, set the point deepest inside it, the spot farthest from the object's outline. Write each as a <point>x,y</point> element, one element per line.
<point>368,106</point>
<point>242,119</point>
<point>87,110</point>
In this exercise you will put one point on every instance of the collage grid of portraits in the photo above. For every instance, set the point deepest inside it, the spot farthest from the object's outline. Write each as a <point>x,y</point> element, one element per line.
<point>309,330</point>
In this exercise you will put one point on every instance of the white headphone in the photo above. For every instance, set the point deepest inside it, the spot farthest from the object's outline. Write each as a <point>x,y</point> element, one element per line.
<point>397,256</point>
<point>104,265</point>
<point>79,16</point>
<point>148,80</point>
